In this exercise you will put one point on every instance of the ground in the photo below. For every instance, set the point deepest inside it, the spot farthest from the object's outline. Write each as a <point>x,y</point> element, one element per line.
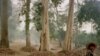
<point>16,47</point>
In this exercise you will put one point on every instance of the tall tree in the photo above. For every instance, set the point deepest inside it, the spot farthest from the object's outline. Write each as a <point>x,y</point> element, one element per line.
<point>69,31</point>
<point>27,22</point>
<point>44,39</point>
<point>4,43</point>
<point>0,7</point>
<point>25,10</point>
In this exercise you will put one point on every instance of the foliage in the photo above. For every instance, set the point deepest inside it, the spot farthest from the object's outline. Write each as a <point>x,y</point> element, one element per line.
<point>89,11</point>
<point>56,2</point>
<point>37,15</point>
<point>60,34</point>
<point>56,27</point>
<point>84,38</point>
<point>23,8</point>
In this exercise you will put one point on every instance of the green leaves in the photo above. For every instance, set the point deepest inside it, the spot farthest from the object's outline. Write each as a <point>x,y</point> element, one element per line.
<point>88,12</point>
<point>37,15</point>
<point>38,8</point>
<point>83,38</point>
<point>56,2</point>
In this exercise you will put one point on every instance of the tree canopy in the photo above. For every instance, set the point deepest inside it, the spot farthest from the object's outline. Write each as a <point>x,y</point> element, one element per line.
<point>89,12</point>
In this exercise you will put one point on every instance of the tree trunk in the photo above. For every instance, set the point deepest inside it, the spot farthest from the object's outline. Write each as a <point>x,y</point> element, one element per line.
<point>4,43</point>
<point>69,31</point>
<point>44,39</point>
<point>27,22</point>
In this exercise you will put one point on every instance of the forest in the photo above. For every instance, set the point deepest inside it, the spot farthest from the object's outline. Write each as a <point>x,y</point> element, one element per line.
<point>49,27</point>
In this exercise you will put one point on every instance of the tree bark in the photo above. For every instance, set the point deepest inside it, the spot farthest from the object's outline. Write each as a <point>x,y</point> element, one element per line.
<point>69,31</point>
<point>27,22</point>
<point>44,39</point>
<point>4,43</point>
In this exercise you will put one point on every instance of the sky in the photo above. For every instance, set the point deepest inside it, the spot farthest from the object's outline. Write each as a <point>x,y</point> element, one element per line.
<point>86,27</point>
